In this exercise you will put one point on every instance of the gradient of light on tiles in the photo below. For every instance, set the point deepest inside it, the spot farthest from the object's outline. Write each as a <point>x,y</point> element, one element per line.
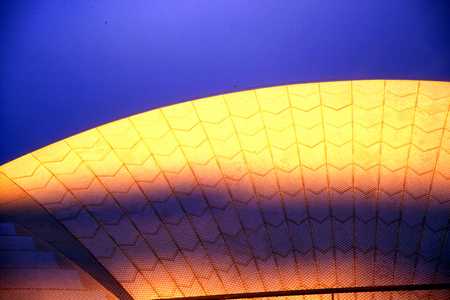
<point>211,196</point>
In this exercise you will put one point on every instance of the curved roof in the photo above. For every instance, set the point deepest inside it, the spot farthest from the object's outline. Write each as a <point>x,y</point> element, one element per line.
<point>67,67</point>
<point>335,184</point>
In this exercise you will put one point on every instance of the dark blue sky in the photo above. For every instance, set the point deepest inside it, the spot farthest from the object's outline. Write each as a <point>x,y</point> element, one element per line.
<point>66,66</point>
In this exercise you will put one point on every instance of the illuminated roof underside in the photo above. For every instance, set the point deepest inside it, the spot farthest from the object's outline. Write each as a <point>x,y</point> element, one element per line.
<point>291,187</point>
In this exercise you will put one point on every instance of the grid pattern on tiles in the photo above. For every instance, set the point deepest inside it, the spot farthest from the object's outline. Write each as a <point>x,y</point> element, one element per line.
<point>292,187</point>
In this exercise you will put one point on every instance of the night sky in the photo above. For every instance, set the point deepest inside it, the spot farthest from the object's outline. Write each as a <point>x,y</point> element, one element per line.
<point>68,66</point>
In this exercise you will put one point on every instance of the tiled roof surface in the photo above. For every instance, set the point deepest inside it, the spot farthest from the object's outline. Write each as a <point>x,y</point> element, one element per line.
<point>291,187</point>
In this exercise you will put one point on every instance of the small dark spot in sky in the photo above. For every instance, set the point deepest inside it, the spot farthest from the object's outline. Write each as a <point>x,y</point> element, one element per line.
<point>106,22</point>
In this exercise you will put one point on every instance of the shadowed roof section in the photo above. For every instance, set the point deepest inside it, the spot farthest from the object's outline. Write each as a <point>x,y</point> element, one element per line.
<point>304,186</point>
<point>72,66</point>
<point>33,269</point>
<point>29,273</point>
